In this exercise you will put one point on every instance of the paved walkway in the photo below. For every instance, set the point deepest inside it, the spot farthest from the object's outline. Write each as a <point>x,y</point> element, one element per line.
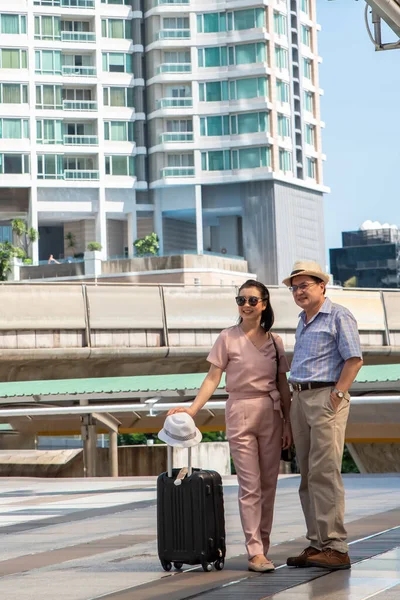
<point>86,539</point>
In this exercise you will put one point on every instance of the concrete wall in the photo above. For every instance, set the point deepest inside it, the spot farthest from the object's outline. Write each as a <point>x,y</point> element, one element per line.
<point>376,457</point>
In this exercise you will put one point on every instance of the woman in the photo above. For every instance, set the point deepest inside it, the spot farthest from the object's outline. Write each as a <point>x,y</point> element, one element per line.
<point>257,412</point>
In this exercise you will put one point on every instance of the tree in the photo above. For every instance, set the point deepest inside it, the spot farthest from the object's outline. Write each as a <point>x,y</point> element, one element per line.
<point>7,253</point>
<point>25,235</point>
<point>147,245</point>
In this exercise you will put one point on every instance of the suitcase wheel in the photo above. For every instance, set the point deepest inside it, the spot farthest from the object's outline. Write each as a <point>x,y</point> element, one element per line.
<point>206,566</point>
<point>167,566</point>
<point>219,564</point>
<point>178,565</point>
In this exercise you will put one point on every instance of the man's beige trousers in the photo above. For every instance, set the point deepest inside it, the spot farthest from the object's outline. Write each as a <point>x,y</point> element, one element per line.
<point>318,432</point>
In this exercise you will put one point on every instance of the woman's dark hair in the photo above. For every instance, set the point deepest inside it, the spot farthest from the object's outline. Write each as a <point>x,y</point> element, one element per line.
<point>267,315</point>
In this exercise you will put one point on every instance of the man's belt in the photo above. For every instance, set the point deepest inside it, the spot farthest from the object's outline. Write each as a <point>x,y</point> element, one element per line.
<point>311,385</point>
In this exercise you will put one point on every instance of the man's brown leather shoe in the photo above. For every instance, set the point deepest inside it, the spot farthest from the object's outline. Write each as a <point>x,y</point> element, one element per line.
<point>302,559</point>
<point>330,559</point>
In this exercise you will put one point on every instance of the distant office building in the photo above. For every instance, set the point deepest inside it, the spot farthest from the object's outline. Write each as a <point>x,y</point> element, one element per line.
<point>370,257</point>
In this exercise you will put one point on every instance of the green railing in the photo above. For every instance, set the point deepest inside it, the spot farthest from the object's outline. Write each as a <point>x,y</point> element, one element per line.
<point>177,172</point>
<point>81,140</point>
<point>79,71</point>
<point>79,105</point>
<point>176,137</point>
<point>78,36</point>
<point>173,34</point>
<point>175,103</point>
<point>175,68</point>
<point>82,174</point>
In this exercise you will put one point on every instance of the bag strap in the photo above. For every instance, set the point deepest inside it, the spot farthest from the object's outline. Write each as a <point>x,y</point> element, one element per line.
<point>277,357</point>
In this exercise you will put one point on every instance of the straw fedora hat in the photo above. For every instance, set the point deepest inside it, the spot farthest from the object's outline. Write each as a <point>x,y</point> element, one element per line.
<point>180,430</point>
<point>306,267</point>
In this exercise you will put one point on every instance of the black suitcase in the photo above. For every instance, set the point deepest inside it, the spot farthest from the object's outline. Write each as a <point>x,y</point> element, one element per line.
<point>190,518</point>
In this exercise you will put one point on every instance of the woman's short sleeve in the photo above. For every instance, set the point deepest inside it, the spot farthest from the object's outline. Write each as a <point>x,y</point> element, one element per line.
<point>219,352</point>
<point>283,361</point>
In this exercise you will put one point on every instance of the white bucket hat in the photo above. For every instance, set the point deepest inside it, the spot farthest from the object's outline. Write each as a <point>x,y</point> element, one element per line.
<point>306,267</point>
<point>180,430</point>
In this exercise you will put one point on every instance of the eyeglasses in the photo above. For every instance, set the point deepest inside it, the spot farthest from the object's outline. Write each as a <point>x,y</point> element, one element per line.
<point>302,287</point>
<point>252,300</point>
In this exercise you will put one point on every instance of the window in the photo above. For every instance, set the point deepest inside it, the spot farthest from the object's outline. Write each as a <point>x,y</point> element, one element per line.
<point>48,62</point>
<point>246,54</point>
<point>213,91</point>
<point>211,22</point>
<point>249,123</point>
<point>128,2</point>
<point>179,125</point>
<point>6,234</point>
<point>50,166</point>
<point>13,93</point>
<point>251,158</point>
<point>14,164</point>
<point>283,126</point>
<point>311,167</point>
<point>281,57</point>
<point>14,129</point>
<point>216,160</point>
<point>118,96</point>
<point>47,28</point>
<point>305,35</point>
<point>256,87</point>
<point>13,59</point>
<point>309,101</point>
<point>310,134</point>
<point>180,160</point>
<point>120,165</point>
<point>173,23</point>
<point>280,23</point>
<point>49,131</point>
<point>48,96</point>
<point>116,28</point>
<point>307,68</point>
<point>117,62</point>
<point>212,57</point>
<point>282,91</point>
<point>12,24</point>
<point>246,19</point>
<point>285,160</point>
<point>119,131</point>
<point>305,6</point>
<point>211,126</point>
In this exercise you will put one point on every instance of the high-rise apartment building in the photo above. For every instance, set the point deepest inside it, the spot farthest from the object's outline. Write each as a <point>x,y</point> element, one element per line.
<point>197,120</point>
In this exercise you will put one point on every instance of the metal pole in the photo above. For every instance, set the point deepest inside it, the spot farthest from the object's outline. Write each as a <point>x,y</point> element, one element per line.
<point>169,461</point>
<point>189,461</point>
<point>113,454</point>
<point>92,449</point>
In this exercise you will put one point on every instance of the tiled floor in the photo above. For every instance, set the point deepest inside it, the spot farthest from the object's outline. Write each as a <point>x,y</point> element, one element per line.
<point>86,539</point>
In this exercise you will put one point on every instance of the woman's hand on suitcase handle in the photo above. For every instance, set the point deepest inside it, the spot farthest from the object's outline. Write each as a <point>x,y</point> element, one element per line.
<point>287,437</point>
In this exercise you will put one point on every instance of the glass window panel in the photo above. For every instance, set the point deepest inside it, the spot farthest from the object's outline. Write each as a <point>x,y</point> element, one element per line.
<point>262,87</point>
<point>232,90</point>
<point>128,63</point>
<point>200,23</point>
<point>204,161</point>
<point>227,159</point>
<point>12,163</point>
<point>231,55</point>
<point>117,96</point>
<point>214,126</point>
<point>230,21</point>
<point>222,21</point>
<point>131,166</point>
<point>201,92</point>
<point>211,22</point>
<point>216,160</point>
<point>212,57</point>
<point>119,165</point>
<point>234,124</point>
<point>246,88</point>
<point>244,19</point>
<point>11,93</point>
<point>10,59</point>
<point>12,129</point>
<point>116,28</point>
<point>260,17</point>
<point>225,123</point>
<point>213,91</point>
<point>235,160</point>
<point>248,123</point>
<point>246,54</point>
<point>200,55</point>
<point>9,24</point>
<point>249,158</point>
<point>108,166</point>
<point>118,131</point>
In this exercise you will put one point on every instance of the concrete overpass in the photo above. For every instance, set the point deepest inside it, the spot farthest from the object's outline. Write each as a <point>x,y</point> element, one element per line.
<point>99,330</point>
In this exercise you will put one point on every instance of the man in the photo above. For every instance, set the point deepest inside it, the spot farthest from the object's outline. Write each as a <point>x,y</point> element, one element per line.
<point>327,358</point>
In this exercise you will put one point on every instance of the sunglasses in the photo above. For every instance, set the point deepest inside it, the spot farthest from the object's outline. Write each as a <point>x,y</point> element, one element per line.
<point>252,300</point>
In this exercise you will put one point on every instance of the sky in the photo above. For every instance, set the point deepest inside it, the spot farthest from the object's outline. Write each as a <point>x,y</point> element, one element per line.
<point>361,110</point>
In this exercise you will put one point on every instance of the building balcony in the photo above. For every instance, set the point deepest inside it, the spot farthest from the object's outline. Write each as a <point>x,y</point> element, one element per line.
<point>177,172</point>
<point>74,71</point>
<point>173,34</point>
<point>81,174</point>
<point>161,2</point>
<point>81,140</point>
<point>78,36</point>
<point>66,3</point>
<point>175,103</point>
<point>81,105</point>
<point>186,136</point>
<point>174,68</point>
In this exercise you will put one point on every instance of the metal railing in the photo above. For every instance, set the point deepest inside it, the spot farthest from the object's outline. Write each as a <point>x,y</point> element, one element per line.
<point>79,105</point>
<point>175,68</point>
<point>173,2</point>
<point>78,36</point>
<point>79,71</point>
<point>175,136</point>
<point>82,174</point>
<point>66,3</point>
<point>173,34</point>
<point>177,172</point>
<point>175,103</point>
<point>49,106</point>
<point>81,140</point>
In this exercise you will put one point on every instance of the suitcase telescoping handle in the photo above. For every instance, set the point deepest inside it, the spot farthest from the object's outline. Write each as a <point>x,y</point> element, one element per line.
<point>169,461</point>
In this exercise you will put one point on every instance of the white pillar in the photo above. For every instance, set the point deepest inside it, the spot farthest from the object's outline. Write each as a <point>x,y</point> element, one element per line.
<point>199,219</point>
<point>33,222</point>
<point>101,223</point>
<point>158,221</point>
